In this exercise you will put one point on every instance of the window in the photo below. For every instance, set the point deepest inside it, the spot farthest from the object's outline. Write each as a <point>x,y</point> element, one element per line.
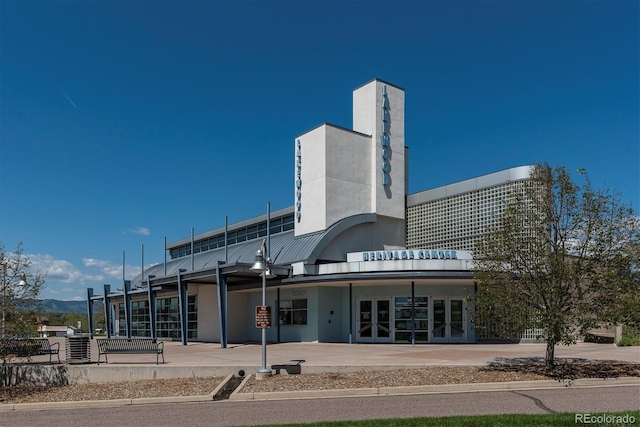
<point>276,226</point>
<point>255,231</point>
<point>252,232</point>
<point>287,223</point>
<point>140,326</point>
<point>168,317</point>
<point>293,312</point>
<point>403,319</point>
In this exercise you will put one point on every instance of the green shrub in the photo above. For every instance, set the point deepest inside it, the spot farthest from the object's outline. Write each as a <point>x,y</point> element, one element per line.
<point>630,336</point>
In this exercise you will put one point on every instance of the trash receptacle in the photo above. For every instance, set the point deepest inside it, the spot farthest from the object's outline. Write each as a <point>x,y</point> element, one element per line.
<point>78,348</point>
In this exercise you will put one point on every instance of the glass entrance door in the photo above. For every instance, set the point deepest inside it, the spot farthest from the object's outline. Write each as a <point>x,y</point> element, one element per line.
<point>374,320</point>
<point>448,320</point>
<point>456,320</point>
<point>439,329</point>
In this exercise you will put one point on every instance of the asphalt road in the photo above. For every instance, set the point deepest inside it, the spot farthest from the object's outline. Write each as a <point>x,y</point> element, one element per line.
<point>591,400</point>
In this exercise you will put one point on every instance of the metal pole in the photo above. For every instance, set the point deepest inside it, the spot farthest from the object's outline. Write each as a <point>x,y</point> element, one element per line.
<point>151,296</point>
<point>182,306</point>
<point>226,237</point>
<point>264,330</point>
<point>261,265</point>
<point>268,254</point>
<point>107,310</point>
<point>90,311</point>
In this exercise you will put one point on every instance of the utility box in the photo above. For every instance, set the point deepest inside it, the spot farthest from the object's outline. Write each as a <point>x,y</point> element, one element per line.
<point>78,348</point>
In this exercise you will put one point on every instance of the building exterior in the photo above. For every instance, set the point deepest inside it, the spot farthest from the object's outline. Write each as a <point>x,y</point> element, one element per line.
<point>455,216</point>
<point>354,259</point>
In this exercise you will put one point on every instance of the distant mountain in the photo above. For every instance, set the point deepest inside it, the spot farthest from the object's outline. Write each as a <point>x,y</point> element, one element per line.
<point>58,306</point>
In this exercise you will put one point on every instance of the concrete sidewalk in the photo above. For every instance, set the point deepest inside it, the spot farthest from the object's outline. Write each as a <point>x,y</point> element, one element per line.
<point>205,359</point>
<point>209,359</point>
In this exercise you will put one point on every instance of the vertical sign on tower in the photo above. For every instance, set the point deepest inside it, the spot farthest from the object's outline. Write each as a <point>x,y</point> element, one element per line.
<point>385,138</point>
<point>298,181</point>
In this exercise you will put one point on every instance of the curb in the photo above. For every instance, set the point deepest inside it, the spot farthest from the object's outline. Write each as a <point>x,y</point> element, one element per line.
<point>113,402</point>
<point>238,396</point>
<point>431,389</point>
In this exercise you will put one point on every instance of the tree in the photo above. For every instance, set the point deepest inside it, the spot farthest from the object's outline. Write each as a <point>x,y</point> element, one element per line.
<point>19,288</point>
<point>562,258</point>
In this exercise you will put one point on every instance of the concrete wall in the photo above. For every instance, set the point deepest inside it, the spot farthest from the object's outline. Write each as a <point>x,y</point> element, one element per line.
<point>238,312</point>
<point>387,200</point>
<point>334,175</point>
<point>208,314</point>
<point>348,175</point>
<point>340,171</point>
<point>368,236</point>
<point>313,174</point>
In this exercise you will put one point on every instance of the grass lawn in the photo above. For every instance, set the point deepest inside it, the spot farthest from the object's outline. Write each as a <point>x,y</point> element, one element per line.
<point>509,420</point>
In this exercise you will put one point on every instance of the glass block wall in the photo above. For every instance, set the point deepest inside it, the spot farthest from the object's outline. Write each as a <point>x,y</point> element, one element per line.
<point>457,221</point>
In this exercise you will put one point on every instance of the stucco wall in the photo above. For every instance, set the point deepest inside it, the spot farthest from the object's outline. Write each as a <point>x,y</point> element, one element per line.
<point>386,200</point>
<point>208,314</point>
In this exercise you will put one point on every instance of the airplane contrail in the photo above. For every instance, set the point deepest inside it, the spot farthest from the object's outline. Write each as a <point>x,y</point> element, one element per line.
<point>67,96</point>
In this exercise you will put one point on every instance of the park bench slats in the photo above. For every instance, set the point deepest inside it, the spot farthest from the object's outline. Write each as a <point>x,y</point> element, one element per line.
<point>130,346</point>
<point>28,347</point>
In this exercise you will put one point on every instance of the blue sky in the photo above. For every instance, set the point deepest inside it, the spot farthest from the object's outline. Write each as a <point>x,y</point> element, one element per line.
<point>122,123</point>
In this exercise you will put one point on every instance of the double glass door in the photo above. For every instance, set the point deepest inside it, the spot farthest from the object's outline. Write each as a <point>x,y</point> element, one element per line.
<point>437,320</point>
<point>374,320</point>
<point>448,320</point>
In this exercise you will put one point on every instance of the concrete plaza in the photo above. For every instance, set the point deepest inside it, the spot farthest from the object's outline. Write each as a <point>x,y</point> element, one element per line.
<point>209,359</point>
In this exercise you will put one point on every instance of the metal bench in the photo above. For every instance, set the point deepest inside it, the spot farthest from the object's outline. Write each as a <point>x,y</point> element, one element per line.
<point>29,347</point>
<point>45,347</point>
<point>291,368</point>
<point>129,346</point>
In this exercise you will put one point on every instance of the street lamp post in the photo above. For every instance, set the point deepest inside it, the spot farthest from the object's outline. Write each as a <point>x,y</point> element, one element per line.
<point>261,266</point>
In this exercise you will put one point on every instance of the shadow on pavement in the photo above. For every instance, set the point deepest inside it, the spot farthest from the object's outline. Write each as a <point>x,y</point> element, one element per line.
<point>566,368</point>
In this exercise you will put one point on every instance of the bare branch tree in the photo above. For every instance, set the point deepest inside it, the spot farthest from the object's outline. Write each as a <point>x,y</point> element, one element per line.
<point>20,286</point>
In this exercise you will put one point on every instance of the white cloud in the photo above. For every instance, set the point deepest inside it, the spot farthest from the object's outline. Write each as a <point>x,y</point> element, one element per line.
<point>59,270</point>
<point>140,230</point>
<point>110,269</point>
<point>92,262</point>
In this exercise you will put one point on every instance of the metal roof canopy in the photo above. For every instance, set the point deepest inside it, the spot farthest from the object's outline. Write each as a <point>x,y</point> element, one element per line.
<point>238,276</point>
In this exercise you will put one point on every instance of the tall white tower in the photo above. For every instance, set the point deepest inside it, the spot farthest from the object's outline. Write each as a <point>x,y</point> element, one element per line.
<point>341,172</point>
<point>378,110</point>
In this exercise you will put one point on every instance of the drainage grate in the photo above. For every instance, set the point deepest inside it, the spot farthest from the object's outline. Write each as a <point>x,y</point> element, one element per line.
<point>228,388</point>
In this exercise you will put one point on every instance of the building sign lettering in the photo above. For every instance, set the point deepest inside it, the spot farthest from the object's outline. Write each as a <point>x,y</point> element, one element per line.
<point>298,180</point>
<point>385,138</point>
<point>408,255</point>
